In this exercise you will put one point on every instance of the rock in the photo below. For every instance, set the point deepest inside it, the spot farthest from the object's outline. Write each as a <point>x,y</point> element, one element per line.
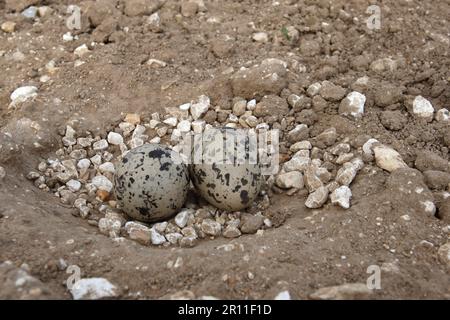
<point>314,89</point>
<point>388,159</point>
<point>188,242</point>
<point>312,181</point>
<point>326,138</point>
<point>138,232</point>
<point>297,163</point>
<point>341,196</point>
<point>200,108</point>
<point>258,81</point>
<point>301,145</point>
<point>444,254</point>
<point>353,105</point>
<point>22,94</point>
<point>102,183</point>
<point>427,160</point>
<point>8,26</point>
<point>252,223</point>
<point>271,105</point>
<point>100,145</point>
<point>211,227</point>
<point>300,132</point>
<point>422,108</point>
<point>93,289</point>
<point>387,95</point>
<point>115,138</point>
<point>132,118</point>
<point>340,148</point>
<point>438,180</point>
<point>231,232</point>
<point>299,103</point>
<point>156,238</point>
<point>240,107</point>
<point>2,173</point>
<point>73,185</point>
<point>293,179</point>
<point>317,199</point>
<point>184,126</point>
<point>260,37</point>
<point>348,291</point>
<point>30,12</point>
<point>283,295</point>
<point>198,126</point>
<point>81,50</point>
<point>189,8</point>
<point>383,65</point>
<point>442,115</point>
<point>174,237</point>
<point>182,217</point>
<point>393,120</point>
<point>135,8</point>
<point>331,92</point>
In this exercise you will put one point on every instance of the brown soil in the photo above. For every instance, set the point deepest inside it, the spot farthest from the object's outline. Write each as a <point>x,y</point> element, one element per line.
<point>312,248</point>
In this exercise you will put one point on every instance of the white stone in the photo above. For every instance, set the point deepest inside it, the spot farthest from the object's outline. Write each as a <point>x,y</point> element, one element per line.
<point>211,227</point>
<point>22,94</point>
<point>172,121</point>
<point>353,104</point>
<point>314,89</point>
<point>156,237</point>
<point>252,121</point>
<point>176,135</point>
<point>422,108</point>
<point>368,146</point>
<point>283,295</point>
<point>115,138</point>
<point>184,126</point>
<point>73,185</point>
<point>67,37</point>
<point>93,289</point>
<point>107,167</point>
<point>429,207</point>
<point>182,217</point>
<point>442,115</point>
<point>388,159</point>
<point>96,160</point>
<point>293,179</point>
<point>251,105</point>
<point>155,140</point>
<point>297,163</point>
<point>2,173</point>
<point>102,183</point>
<point>81,50</point>
<point>200,108</point>
<point>341,196</point>
<point>260,37</point>
<point>100,145</point>
<point>185,107</point>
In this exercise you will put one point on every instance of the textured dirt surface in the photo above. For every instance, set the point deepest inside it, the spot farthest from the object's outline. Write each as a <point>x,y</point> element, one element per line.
<point>312,249</point>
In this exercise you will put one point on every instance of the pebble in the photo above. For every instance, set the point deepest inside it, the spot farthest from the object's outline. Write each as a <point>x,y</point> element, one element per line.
<point>240,107</point>
<point>422,108</point>
<point>353,105</point>
<point>93,289</point>
<point>314,89</point>
<point>67,37</point>
<point>341,196</point>
<point>182,217</point>
<point>444,254</point>
<point>100,145</point>
<point>300,132</point>
<point>283,295</point>
<point>331,92</point>
<point>198,126</point>
<point>115,138</point>
<point>173,237</point>
<point>252,224</point>
<point>317,199</point>
<point>132,118</point>
<point>211,227</point>
<point>107,167</point>
<point>138,232</point>
<point>8,26</point>
<point>81,50</point>
<point>442,115</point>
<point>30,12</point>
<point>22,94</point>
<point>388,159</point>
<point>103,183</point>
<point>293,179</point>
<point>74,185</point>
<point>231,232</point>
<point>348,291</point>
<point>156,237</point>
<point>184,126</point>
<point>260,37</point>
<point>200,108</point>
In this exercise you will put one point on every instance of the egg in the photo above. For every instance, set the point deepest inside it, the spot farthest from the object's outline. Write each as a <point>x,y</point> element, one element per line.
<point>221,180</point>
<point>151,183</point>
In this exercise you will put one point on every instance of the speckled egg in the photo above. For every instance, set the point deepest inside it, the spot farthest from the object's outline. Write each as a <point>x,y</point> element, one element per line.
<point>151,183</point>
<point>224,179</point>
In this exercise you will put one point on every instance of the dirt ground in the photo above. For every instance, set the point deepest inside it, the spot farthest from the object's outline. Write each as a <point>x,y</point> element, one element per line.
<point>312,249</point>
